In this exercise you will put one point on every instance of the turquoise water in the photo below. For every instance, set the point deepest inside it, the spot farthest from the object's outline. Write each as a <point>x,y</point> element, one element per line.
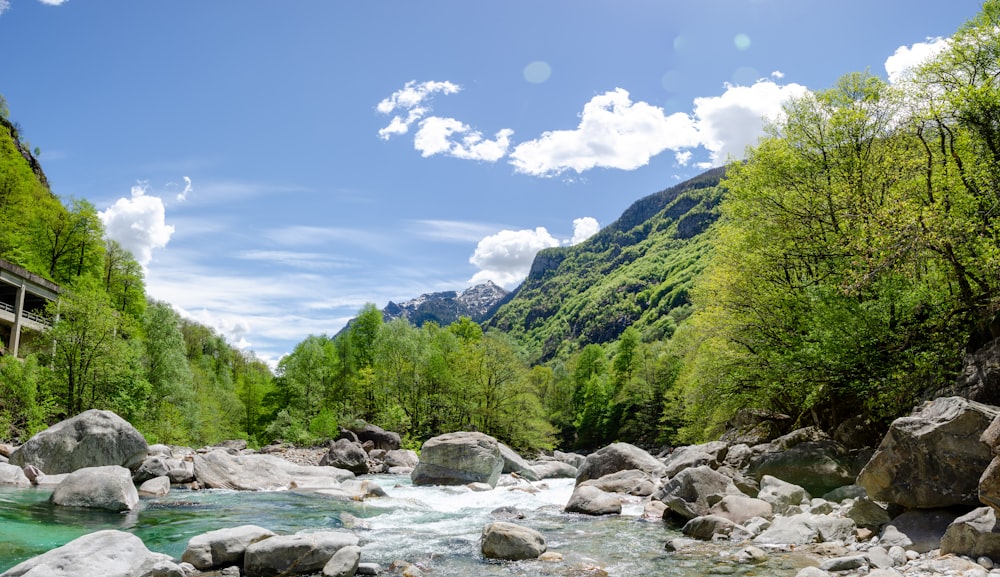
<point>436,528</point>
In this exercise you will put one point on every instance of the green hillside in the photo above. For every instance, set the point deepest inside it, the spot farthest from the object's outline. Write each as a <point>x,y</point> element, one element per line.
<point>635,272</point>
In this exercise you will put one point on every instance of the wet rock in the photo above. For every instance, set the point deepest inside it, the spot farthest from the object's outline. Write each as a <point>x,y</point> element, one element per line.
<point>93,438</point>
<point>155,487</point>
<point>707,527</point>
<point>100,554</point>
<point>459,459</point>
<point>109,487</point>
<point>510,542</point>
<point>223,547</point>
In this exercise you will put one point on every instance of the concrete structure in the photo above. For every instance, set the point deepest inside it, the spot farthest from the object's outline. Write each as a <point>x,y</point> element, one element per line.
<point>23,296</point>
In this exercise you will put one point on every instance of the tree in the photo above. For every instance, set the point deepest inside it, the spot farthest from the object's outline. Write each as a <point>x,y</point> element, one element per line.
<point>169,375</point>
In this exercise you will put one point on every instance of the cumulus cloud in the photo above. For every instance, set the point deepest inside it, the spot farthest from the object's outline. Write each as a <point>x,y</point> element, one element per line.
<point>505,257</point>
<point>182,195</point>
<point>138,224</point>
<point>437,136</point>
<point>409,104</point>
<point>584,228</point>
<point>906,58</point>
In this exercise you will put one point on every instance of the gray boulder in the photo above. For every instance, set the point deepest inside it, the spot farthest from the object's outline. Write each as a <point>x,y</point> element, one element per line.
<point>401,458</point>
<point>510,542</point>
<point>301,553</point>
<point>554,470</point>
<point>688,493</point>
<point>344,562</point>
<point>866,513</point>
<point>681,458</point>
<point>707,527</point>
<point>781,494</point>
<point>740,508</point>
<point>514,463</point>
<point>459,459</point>
<point>223,547</point>
<point>975,534</point>
<point>101,554</point>
<point>155,487</point>
<point>218,469</point>
<point>806,528</point>
<point>109,487</point>
<point>807,457</point>
<point>345,454</point>
<point>631,482</point>
<point>13,476</point>
<point>91,439</point>
<point>590,500</point>
<point>933,458</point>
<point>618,457</point>
<point>574,459</point>
<point>380,438</point>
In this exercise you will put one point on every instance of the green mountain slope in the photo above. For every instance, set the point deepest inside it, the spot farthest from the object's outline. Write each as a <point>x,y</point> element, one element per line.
<point>636,271</point>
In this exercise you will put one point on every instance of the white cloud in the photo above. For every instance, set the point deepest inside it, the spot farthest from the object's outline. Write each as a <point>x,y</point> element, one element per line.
<point>614,132</point>
<point>452,230</point>
<point>729,123</point>
<point>4,6</point>
<point>138,224</point>
<point>436,136</point>
<point>53,2</point>
<point>506,257</point>
<point>182,195</point>
<point>777,74</point>
<point>411,99</point>
<point>584,228</point>
<point>906,58</point>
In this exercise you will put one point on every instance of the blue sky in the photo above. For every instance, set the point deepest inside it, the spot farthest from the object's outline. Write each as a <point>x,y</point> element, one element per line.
<point>277,165</point>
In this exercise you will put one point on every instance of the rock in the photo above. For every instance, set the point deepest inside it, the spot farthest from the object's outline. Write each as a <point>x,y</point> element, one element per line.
<point>159,450</point>
<point>401,458</point>
<point>865,513</point>
<point>350,490</point>
<point>554,470</point>
<point>479,487</point>
<point>740,508</point>
<point>155,487</point>
<point>6,450</point>
<point>879,558</point>
<point>91,439</point>
<point>49,481</point>
<point>301,553</point>
<point>917,530</point>
<point>222,547</point>
<point>13,476</point>
<point>178,470</point>
<point>590,500</point>
<point>805,457</point>
<point>841,494</point>
<point>707,527</point>
<point>933,458</point>
<point>369,569</point>
<point>510,542</point>
<point>344,562</point>
<point>695,456</point>
<point>974,534</point>
<point>101,554</point>
<point>738,456</point>
<point>844,563</point>
<point>754,426</point>
<point>459,459</point>
<point>631,482</point>
<point>980,377</point>
<point>346,455</point>
<point>109,487</point>
<point>514,463</point>
<point>181,471</point>
<point>687,494</point>
<point>806,528</point>
<point>618,457</point>
<point>812,572</point>
<point>218,469</point>
<point>379,437</point>
<point>576,460</point>
<point>780,494</point>
<point>857,432</point>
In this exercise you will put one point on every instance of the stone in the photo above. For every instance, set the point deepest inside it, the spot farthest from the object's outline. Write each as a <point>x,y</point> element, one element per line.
<point>107,553</point>
<point>933,458</point>
<point>879,558</point>
<point>687,494</point>
<point>13,476</point>
<point>345,454</point>
<point>159,450</point>
<point>575,459</point>
<point>980,377</point>
<point>805,457</point>
<point>812,572</point>
<point>223,546</point>
<point>380,438</point>
<point>917,530</point>
<point>109,487</point>
<point>590,500</point>
<point>515,463</point>
<point>218,469</point>
<point>155,487</point>
<point>708,527</point>
<point>459,459</point>
<point>975,534</point>
<point>511,542</point>
<point>344,562</point>
<point>93,438</point>
<point>781,494</point>
<point>866,513</point>
<point>681,458</point>
<point>301,553</point>
<point>618,457</point>
<point>554,470</point>
<point>841,494</point>
<point>631,482</point>
<point>844,563</point>
<point>401,458</point>
<point>369,569</point>
<point>740,508</point>
<point>806,528</point>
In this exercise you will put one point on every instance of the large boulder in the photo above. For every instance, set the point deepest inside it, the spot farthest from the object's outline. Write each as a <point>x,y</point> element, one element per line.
<point>933,458</point>
<point>805,528</point>
<point>688,493</point>
<point>510,542</point>
<point>590,500</point>
<point>631,482</point>
<point>223,547</point>
<point>218,469</point>
<point>109,487</point>
<point>554,470</point>
<point>975,534</point>
<point>980,377</point>
<point>781,494</point>
<point>681,458</point>
<point>515,463</point>
<point>344,562</point>
<point>618,457</point>
<point>806,457</point>
<point>345,454</point>
<point>298,554</point>
<point>178,470</point>
<point>91,439</point>
<point>740,508</point>
<point>13,476</point>
<point>101,554</point>
<point>459,459</point>
<point>380,438</point>
<point>403,458</point>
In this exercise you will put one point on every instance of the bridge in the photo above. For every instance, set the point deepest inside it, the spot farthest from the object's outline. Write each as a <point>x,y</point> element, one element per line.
<point>23,296</point>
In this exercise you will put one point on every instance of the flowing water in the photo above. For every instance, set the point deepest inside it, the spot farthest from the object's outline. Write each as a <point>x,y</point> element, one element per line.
<point>436,528</point>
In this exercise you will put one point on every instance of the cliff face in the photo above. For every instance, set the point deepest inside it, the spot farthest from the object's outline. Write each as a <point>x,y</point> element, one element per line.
<point>636,271</point>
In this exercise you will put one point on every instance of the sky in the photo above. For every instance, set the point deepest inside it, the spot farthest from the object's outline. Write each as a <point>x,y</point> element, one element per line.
<point>274,166</point>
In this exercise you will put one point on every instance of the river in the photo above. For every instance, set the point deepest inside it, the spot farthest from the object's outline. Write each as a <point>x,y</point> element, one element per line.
<point>436,528</point>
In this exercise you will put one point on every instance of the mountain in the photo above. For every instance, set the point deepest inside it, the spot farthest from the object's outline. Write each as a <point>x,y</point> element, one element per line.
<point>636,271</point>
<point>446,307</point>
